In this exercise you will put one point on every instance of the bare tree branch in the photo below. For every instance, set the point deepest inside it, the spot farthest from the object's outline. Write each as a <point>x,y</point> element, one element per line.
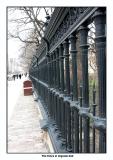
<point>25,41</point>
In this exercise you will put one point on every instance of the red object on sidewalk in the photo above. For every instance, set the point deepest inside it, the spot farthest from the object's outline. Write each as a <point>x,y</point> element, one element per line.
<point>27,88</point>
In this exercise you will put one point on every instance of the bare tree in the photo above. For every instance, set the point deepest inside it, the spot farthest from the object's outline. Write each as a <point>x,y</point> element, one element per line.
<point>28,22</point>
<point>27,53</point>
<point>28,26</point>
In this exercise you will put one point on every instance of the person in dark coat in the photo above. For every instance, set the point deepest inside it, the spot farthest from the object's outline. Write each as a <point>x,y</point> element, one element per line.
<point>14,77</point>
<point>20,76</point>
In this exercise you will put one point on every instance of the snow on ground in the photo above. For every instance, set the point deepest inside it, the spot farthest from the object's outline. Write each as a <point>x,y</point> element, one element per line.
<point>14,90</point>
<point>24,131</point>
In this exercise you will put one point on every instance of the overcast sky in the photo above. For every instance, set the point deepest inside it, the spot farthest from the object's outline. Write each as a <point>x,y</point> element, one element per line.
<point>14,45</point>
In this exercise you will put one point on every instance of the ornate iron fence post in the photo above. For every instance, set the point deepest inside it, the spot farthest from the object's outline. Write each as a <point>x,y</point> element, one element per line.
<point>75,116</point>
<point>84,52</point>
<point>67,90</point>
<point>47,90</point>
<point>55,85</point>
<point>100,39</point>
<point>61,56</point>
<point>67,71</point>
<point>80,129</point>
<point>58,89</point>
<point>73,52</point>
<point>94,114</point>
<point>58,68</point>
<point>61,68</point>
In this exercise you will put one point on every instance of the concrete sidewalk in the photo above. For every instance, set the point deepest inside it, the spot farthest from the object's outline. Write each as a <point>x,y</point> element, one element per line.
<point>24,132</point>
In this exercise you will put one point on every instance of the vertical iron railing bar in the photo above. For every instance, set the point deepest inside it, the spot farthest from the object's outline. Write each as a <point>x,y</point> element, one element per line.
<point>74,113</point>
<point>94,114</point>
<point>80,130</point>
<point>55,95</point>
<point>61,57</point>
<point>100,39</point>
<point>67,91</point>
<point>84,52</point>
<point>61,67</point>
<point>67,70</point>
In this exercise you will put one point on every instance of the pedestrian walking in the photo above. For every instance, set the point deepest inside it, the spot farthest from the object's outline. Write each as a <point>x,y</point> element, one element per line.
<point>14,77</point>
<point>20,76</point>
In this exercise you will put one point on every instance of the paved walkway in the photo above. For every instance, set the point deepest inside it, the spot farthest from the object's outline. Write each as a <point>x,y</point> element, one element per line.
<point>24,132</point>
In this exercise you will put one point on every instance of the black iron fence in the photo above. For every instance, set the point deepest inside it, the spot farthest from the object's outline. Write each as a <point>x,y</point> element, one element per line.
<point>79,127</point>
